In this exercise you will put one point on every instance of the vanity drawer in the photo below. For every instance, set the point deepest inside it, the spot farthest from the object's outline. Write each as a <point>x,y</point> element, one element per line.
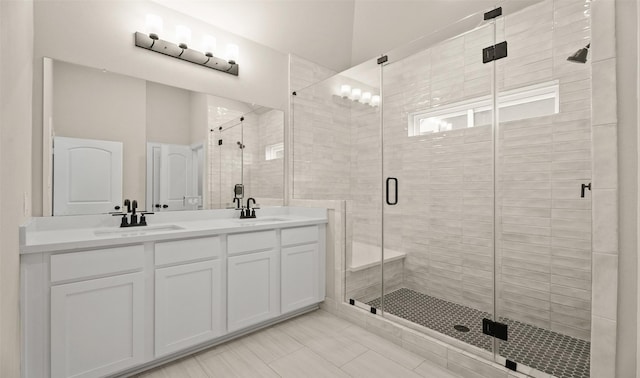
<point>300,235</point>
<point>180,251</point>
<point>98,262</point>
<point>251,241</point>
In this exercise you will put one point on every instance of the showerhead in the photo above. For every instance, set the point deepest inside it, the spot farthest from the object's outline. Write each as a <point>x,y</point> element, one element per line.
<point>580,56</point>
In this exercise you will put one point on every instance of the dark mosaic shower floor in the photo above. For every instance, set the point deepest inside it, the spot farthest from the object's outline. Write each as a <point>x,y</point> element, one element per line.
<point>553,353</point>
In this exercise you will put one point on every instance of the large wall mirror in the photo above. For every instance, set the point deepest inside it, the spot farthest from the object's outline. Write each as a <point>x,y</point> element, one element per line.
<point>117,137</point>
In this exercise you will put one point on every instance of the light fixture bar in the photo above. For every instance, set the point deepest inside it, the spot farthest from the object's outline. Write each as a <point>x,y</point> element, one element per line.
<point>189,55</point>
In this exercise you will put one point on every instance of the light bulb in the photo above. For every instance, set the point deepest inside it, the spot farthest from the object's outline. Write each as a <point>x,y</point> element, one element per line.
<point>183,36</point>
<point>208,45</point>
<point>233,52</point>
<point>375,100</point>
<point>366,97</point>
<point>356,93</point>
<point>154,26</point>
<point>345,90</point>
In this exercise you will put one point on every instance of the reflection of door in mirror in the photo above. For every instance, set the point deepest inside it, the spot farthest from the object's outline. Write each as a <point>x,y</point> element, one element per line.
<point>174,177</point>
<point>87,176</point>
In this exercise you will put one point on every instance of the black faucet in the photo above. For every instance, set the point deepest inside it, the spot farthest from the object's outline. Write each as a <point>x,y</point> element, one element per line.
<point>239,202</point>
<point>249,212</point>
<point>131,209</point>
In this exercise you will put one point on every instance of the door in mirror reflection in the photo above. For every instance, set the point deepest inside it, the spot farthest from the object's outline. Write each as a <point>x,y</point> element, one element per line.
<point>88,176</point>
<point>173,177</point>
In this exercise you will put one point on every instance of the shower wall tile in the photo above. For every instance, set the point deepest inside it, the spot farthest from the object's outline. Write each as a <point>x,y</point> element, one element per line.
<point>604,92</point>
<point>605,173</point>
<point>605,226</point>
<point>603,44</point>
<point>605,273</point>
<point>603,347</point>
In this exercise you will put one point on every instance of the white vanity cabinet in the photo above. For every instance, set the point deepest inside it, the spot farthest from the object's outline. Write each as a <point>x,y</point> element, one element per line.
<point>300,268</point>
<point>97,324</point>
<point>188,296</point>
<point>113,307</point>
<point>253,287</point>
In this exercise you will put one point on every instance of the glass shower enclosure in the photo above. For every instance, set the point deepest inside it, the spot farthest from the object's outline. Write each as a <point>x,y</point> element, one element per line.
<point>462,160</point>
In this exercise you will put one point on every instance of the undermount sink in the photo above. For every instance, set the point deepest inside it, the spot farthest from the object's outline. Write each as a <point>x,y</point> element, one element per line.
<point>137,230</point>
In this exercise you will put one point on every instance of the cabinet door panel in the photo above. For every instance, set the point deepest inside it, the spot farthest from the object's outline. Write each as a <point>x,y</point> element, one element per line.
<point>97,326</point>
<point>252,289</point>
<point>188,305</point>
<point>299,276</point>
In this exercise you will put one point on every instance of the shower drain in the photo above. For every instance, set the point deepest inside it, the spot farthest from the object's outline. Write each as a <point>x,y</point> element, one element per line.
<point>461,328</point>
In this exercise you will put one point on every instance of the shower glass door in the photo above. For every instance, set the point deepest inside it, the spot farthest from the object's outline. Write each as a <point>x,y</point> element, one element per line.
<point>543,159</point>
<point>230,160</point>
<point>336,155</point>
<point>438,210</point>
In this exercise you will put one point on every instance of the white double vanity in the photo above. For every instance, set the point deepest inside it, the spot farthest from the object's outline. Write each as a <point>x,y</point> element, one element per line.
<point>100,300</point>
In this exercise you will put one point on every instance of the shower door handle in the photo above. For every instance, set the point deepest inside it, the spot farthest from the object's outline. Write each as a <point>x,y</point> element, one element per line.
<point>395,181</point>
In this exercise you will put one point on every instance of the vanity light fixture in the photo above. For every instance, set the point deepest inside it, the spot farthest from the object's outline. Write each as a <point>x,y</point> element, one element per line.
<point>151,41</point>
<point>375,100</point>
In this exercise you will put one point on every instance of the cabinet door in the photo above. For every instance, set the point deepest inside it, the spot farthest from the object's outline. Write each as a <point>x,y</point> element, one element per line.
<point>253,289</point>
<point>188,305</point>
<point>299,276</point>
<point>97,326</point>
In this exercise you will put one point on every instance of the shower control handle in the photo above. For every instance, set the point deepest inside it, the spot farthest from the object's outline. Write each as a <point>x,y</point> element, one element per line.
<point>584,186</point>
<point>395,181</point>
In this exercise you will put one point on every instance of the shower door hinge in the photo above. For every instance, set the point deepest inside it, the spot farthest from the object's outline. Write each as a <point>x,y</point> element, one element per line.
<point>495,52</point>
<point>383,59</point>
<point>493,14</point>
<point>219,142</point>
<point>495,329</point>
<point>511,365</point>
<point>374,310</point>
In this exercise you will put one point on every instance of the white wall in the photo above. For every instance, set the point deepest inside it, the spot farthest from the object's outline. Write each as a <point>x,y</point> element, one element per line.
<point>168,114</point>
<point>100,34</point>
<point>16,74</point>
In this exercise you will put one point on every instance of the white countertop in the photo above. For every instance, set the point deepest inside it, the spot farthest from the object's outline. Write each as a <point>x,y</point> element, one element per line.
<point>52,234</point>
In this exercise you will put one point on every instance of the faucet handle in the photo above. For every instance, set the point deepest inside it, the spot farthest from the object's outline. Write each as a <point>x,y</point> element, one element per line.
<point>124,222</point>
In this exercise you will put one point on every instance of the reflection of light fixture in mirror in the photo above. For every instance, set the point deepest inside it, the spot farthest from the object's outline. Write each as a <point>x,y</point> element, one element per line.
<point>366,97</point>
<point>233,52</point>
<point>345,90</point>
<point>356,93</point>
<point>183,36</point>
<point>151,41</point>
<point>375,100</point>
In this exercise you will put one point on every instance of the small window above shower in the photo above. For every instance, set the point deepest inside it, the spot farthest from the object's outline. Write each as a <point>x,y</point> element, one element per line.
<point>520,103</point>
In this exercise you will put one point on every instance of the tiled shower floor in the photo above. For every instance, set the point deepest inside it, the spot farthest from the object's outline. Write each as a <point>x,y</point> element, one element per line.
<point>553,353</point>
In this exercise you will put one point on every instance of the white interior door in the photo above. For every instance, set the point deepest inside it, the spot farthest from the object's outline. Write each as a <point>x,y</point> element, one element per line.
<point>87,176</point>
<point>176,177</point>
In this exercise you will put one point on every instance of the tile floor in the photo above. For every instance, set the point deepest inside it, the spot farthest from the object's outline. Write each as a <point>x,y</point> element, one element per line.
<point>559,355</point>
<point>317,344</point>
